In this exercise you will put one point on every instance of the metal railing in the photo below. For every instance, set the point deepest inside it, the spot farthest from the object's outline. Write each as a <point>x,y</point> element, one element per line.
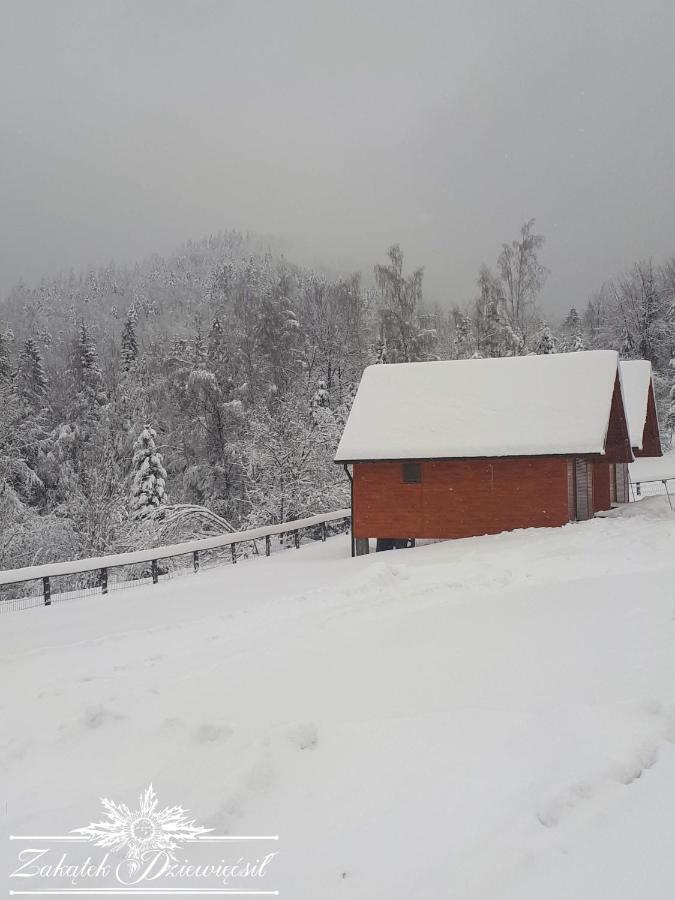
<point>54,582</point>
<point>641,489</point>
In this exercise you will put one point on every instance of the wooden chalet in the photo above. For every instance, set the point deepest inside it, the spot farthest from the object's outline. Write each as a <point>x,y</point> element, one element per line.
<point>458,448</point>
<point>610,482</point>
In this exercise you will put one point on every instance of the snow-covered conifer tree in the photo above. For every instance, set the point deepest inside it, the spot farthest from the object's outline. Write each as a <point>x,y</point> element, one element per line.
<point>320,405</point>
<point>463,339</point>
<point>572,323</point>
<point>89,380</point>
<point>129,351</point>
<point>31,381</point>
<point>5,367</point>
<point>578,342</point>
<point>199,350</point>
<point>546,342</point>
<point>148,486</point>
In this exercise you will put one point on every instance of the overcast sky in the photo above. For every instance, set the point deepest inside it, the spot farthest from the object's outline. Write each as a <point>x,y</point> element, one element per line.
<point>128,127</point>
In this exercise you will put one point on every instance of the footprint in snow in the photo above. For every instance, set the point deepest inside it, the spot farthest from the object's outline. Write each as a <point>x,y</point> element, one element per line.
<point>151,660</point>
<point>554,810</point>
<point>210,732</point>
<point>305,735</point>
<point>95,716</point>
<point>629,770</point>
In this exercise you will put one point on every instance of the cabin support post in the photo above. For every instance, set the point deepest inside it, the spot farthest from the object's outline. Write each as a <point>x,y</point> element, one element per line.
<point>351,503</point>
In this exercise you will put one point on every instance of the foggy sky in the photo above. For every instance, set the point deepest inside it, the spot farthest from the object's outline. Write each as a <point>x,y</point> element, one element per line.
<point>128,127</point>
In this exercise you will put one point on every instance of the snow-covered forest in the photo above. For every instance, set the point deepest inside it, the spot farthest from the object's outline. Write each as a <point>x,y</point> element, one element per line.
<point>221,376</point>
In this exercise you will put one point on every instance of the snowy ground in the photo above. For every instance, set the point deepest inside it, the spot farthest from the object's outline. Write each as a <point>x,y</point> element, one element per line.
<point>486,718</point>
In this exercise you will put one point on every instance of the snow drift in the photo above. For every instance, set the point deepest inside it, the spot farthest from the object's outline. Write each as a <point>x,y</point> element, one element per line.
<point>485,718</point>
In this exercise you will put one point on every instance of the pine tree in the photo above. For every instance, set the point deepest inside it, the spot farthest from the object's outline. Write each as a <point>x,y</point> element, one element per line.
<point>320,405</point>
<point>463,339</point>
<point>572,324</point>
<point>572,332</point>
<point>546,342</point>
<point>578,342</point>
<point>89,380</point>
<point>5,368</point>
<point>147,489</point>
<point>31,381</point>
<point>129,351</point>
<point>198,350</point>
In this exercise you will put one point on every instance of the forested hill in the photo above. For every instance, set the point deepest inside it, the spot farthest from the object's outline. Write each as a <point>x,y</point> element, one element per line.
<point>240,361</point>
<point>243,366</point>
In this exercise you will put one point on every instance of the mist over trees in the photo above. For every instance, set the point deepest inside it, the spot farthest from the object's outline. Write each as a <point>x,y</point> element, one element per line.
<point>221,377</point>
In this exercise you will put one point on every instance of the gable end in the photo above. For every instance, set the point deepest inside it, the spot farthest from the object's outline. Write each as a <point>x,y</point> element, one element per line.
<point>617,442</point>
<point>651,440</point>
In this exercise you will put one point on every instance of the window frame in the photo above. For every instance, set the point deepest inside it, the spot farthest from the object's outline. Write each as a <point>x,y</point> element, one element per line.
<point>411,473</point>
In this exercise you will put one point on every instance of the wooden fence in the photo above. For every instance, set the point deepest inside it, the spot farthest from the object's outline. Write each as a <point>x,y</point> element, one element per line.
<point>35,585</point>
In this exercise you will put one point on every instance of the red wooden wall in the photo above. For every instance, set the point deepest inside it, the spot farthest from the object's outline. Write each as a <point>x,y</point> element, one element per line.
<point>602,492</point>
<point>617,442</point>
<point>459,498</point>
<point>651,441</point>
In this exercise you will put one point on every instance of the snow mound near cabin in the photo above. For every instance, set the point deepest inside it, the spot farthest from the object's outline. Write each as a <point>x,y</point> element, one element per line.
<point>485,718</point>
<point>654,507</point>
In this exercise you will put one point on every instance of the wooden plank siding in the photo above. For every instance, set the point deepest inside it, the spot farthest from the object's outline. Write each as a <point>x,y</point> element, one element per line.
<point>617,442</point>
<point>584,489</point>
<point>602,491</point>
<point>460,498</point>
<point>651,440</point>
<point>622,483</point>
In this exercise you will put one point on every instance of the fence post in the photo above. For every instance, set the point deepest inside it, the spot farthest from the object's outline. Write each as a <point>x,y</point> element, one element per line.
<point>296,538</point>
<point>104,580</point>
<point>195,560</point>
<point>268,548</point>
<point>46,591</point>
<point>155,572</point>
<point>323,531</point>
<point>234,552</point>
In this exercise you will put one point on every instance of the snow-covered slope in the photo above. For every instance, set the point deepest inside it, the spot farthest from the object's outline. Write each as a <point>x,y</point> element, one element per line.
<point>486,718</point>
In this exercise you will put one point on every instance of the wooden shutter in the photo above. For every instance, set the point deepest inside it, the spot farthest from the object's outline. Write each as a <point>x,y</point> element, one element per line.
<point>571,490</point>
<point>584,482</point>
<point>622,483</point>
<point>612,482</point>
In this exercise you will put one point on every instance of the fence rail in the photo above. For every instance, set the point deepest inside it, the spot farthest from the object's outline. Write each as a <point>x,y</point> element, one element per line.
<point>45,584</point>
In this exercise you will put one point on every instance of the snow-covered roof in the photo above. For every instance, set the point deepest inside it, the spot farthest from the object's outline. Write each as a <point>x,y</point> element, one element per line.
<point>636,377</point>
<point>516,406</point>
<point>653,468</point>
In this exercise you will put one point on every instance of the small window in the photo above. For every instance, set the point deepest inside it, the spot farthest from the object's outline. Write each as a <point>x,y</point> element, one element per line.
<point>412,473</point>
